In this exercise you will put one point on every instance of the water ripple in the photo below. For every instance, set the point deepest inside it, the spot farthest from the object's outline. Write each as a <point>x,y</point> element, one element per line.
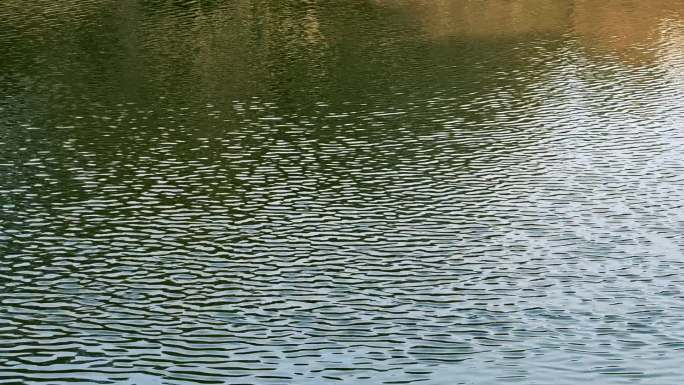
<point>499,204</point>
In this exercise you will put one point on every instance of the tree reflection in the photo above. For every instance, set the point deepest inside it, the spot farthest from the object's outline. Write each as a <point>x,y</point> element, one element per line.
<point>308,50</point>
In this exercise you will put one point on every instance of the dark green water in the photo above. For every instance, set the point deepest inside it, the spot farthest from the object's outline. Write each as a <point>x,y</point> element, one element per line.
<point>356,192</point>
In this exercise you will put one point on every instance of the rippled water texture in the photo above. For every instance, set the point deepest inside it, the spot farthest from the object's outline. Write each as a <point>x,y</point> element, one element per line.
<point>358,192</point>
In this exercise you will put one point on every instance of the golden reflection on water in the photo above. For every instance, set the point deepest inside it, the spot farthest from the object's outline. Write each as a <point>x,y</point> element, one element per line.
<point>485,19</point>
<point>630,29</point>
<point>633,30</point>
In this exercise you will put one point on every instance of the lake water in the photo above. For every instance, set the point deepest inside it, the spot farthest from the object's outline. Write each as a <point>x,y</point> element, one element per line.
<point>356,192</point>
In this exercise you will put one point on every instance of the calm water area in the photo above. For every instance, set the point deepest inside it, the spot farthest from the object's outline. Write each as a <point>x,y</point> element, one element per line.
<point>358,192</point>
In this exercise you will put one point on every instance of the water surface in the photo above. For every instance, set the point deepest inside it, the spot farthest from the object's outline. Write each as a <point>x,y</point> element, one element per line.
<point>357,192</point>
